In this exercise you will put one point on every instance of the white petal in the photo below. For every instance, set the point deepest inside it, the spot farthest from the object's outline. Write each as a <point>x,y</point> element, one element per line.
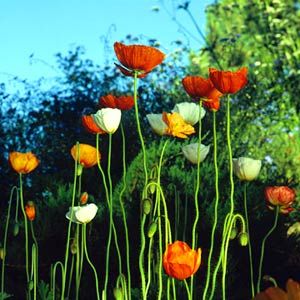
<point>86,213</point>
<point>108,119</point>
<point>189,112</point>
<point>246,168</point>
<point>156,123</point>
<point>70,215</point>
<point>191,152</point>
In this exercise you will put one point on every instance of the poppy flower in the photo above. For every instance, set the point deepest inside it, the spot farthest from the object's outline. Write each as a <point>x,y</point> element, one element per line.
<point>294,229</point>
<point>108,119</point>
<point>191,152</point>
<point>122,102</point>
<point>23,163</point>
<point>30,210</point>
<point>176,126</point>
<point>137,58</point>
<point>180,261</point>
<point>246,168</point>
<point>212,104</point>
<point>90,125</point>
<point>275,293</point>
<point>228,82</point>
<point>189,112</point>
<point>157,124</point>
<point>281,196</point>
<point>87,155</point>
<point>198,87</point>
<point>82,214</point>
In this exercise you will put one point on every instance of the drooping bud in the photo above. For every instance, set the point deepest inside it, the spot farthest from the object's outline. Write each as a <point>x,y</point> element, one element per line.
<point>233,233</point>
<point>16,229</point>
<point>243,239</point>
<point>79,169</point>
<point>30,210</point>
<point>73,247</point>
<point>30,285</point>
<point>147,206</point>
<point>118,293</point>
<point>2,253</point>
<point>152,186</point>
<point>152,229</point>
<point>84,198</point>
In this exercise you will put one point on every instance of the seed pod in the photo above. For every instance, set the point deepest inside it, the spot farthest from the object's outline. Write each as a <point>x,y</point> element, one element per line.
<point>147,206</point>
<point>30,285</point>
<point>118,293</point>
<point>2,253</point>
<point>16,229</point>
<point>152,229</point>
<point>243,239</point>
<point>233,233</point>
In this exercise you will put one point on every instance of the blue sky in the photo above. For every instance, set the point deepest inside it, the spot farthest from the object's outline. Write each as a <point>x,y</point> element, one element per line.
<point>46,27</point>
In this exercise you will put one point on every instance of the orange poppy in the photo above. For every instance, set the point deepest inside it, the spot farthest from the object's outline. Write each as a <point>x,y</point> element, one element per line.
<point>23,163</point>
<point>122,102</point>
<point>180,261</point>
<point>275,293</point>
<point>228,82</point>
<point>30,210</point>
<point>87,155</point>
<point>176,126</point>
<point>90,125</point>
<point>137,58</point>
<point>281,196</point>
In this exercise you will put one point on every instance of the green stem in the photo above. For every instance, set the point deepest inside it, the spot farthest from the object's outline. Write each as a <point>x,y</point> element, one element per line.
<point>70,277</point>
<point>141,257</point>
<point>36,263</point>
<point>197,191</point>
<point>263,249</point>
<point>78,259</point>
<point>5,237</point>
<point>54,276</point>
<point>89,261</point>
<point>249,242</point>
<point>212,237</point>
<point>187,290</point>
<point>34,270</point>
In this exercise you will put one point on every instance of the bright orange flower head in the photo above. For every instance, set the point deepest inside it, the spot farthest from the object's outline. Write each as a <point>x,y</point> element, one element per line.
<point>90,125</point>
<point>228,82</point>
<point>30,210</point>
<point>282,196</point>
<point>276,293</point>
<point>180,261</point>
<point>176,126</point>
<point>23,163</point>
<point>122,102</point>
<point>142,59</point>
<point>87,155</point>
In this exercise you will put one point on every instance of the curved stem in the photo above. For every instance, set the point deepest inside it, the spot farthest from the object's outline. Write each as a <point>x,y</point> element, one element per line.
<point>263,249</point>
<point>249,242</point>
<point>54,276</point>
<point>187,290</point>
<point>212,238</point>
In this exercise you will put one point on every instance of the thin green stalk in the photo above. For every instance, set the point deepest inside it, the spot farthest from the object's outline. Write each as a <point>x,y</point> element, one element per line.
<point>34,270</point>
<point>124,214</point>
<point>70,277</point>
<point>168,288</point>
<point>5,236</point>
<point>263,249</point>
<point>187,290</point>
<point>149,267</point>
<point>78,259</point>
<point>36,263</point>
<point>58,263</point>
<point>174,289</point>
<point>90,263</point>
<point>249,242</point>
<point>141,256</point>
<point>197,192</point>
<point>212,238</point>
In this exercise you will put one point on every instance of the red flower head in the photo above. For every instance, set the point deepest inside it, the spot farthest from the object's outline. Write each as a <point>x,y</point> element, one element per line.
<point>90,125</point>
<point>201,88</point>
<point>228,82</point>
<point>30,210</point>
<point>122,102</point>
<point>282,196</point>
<point>142,59</point>
<point>180,261</point>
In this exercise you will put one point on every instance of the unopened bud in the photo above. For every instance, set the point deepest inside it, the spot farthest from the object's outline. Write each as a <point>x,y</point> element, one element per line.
<point>84,198</point>
<point>30,210</point>
<point>16,229</point>
<point>79,169</point>
<point>233,233</point>
<point>243,239</point>
<point>73,247</point>
<point>152,229</point>
<point>30,285</point>
<point>2,253</point>
<point>118,293</point>
<point>147,205</point>
<point>152,187</point>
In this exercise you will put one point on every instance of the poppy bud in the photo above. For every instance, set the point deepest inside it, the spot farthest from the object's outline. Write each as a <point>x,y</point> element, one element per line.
<point>84,198</point>
<point>118,294</point>
<point>2,253</point>
<point>79,169</point>
<point>30,285</point>
<point>152,229</point>
<point>147,205</point>
<point>152,187</point>
<point>30,210</point>
<point>243,239</point>
<point>73,247</point>
<point>233,233</point>
<point>16,229</point>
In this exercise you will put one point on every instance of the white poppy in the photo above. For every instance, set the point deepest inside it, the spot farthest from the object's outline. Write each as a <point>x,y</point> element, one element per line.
<point>294,229</point>
<point>157,124</point>
<point>191,152</point>
<point>82,214</point>
<point>108,119</point>
<point>246,168</point>
<point>189,112</point>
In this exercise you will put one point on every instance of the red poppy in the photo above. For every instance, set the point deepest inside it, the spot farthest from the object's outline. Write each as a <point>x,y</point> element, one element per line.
<point>180,261</point>
<point>139,58</point>
<point>228,82</point>
<point>281,196</point>
<point>212,104</point>
<point>30,210</point>
<point>90,125</point>
<point>122,102</point>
